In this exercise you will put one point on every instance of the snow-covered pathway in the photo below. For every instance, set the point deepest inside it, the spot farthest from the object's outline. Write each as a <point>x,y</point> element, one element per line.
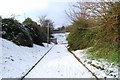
<point>16,61</point>
<point>59,63</point>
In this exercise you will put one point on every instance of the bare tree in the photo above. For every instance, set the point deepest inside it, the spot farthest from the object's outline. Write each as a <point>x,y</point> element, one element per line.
<point>42,20</point>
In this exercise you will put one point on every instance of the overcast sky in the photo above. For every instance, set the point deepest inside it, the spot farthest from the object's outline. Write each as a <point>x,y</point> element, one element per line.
<point>54,9</point>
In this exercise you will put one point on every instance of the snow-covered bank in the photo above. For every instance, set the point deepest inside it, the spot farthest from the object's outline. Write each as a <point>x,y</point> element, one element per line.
<point>100,67</point>
<point>15,60</point>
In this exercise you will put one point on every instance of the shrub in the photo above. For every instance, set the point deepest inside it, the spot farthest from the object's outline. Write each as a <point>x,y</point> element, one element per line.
<point>35,31</point>
<point>80,37</point>
<point>101,33</point>
<point>14,31</point>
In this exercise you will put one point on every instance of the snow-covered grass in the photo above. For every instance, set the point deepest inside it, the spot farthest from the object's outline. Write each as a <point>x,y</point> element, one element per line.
<point>102,68</point>
<point>15,60</point>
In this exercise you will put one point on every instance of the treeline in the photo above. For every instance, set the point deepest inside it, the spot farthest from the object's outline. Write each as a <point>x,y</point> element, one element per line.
<point>96,25</point>
<point>27,33</point>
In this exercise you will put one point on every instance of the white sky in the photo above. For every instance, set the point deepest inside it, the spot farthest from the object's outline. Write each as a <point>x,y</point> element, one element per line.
<point>21,6</point>
<point>54,9</point>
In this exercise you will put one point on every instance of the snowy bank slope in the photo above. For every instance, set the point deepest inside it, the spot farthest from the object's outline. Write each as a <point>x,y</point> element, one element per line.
<point>101,67</point>
<point>15,60</point>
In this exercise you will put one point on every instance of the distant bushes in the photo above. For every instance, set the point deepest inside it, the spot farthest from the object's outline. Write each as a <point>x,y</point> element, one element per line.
<point>25,33</point>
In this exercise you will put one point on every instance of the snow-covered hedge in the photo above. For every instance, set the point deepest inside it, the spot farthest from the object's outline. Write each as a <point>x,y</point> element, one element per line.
<point>22,34</point>
<point>14,31</point>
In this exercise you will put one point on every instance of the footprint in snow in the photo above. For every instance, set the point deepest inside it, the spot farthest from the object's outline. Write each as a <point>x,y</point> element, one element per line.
<point>61,74</point>
<point>7,57</point>
<point>58,52</point>
<point>20,59</point>
<point>12,59</point>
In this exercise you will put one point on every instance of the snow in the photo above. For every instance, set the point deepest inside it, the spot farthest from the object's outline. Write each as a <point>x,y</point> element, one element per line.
<point>15,60</point>
<point>0,59</point>
<point>110,70</point>
<point>61,37</point>
<point>59,63</point>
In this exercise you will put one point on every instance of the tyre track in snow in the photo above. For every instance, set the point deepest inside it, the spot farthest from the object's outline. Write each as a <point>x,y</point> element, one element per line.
<point>58,63</point>
<point>36,64</point>
<point>83,64</point>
